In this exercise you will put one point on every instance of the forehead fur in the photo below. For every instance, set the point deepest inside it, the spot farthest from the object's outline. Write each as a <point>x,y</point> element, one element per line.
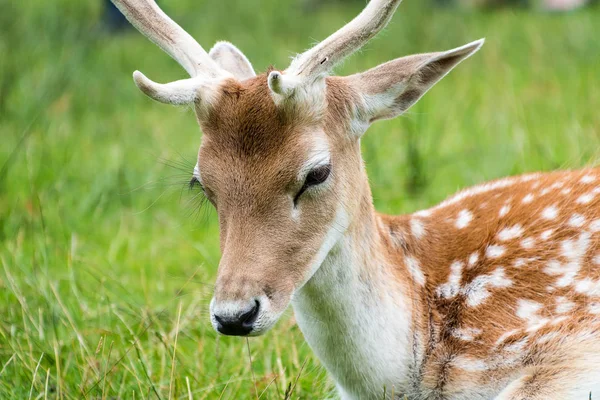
<point>246,121</point>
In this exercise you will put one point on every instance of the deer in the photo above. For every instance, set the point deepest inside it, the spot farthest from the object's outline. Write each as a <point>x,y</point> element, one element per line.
<point>492,294</point>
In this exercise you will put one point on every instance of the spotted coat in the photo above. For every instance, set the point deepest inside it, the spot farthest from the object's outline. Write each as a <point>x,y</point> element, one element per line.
<point>507,276</point>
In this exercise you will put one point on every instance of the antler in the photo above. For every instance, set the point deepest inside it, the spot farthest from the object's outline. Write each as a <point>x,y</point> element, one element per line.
<point>150,20</point>
<point>324,56</point>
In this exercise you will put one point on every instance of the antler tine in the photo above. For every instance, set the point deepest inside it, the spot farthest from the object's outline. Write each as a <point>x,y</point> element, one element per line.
<point>325,55</point>
<point>150,20</point>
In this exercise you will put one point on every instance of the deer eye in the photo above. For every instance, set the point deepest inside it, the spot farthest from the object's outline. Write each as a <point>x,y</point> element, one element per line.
<point>315,177</point>
<point>318,175</point>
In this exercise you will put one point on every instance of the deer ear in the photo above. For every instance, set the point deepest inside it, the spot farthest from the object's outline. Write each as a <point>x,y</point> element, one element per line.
<point>231,59</point>
<point>390,89</point>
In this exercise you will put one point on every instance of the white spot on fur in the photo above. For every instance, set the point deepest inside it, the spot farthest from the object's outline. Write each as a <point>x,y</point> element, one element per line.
<point>573,251</point>
<point>495,251</point>
<point>576,220</point>
<point>506,335</point>
<point>473,258</point>
<point>596,259</point>
<point>463,219</point>
<point>516,347</point>
<point>595,225</point>
<point>545,191</point>
<point>594,308</point>
<point>528,199</point>
<point>504,210</point>
<point>451,288</point>
<point>587,179</point>
<point>553,267</point>
<point>415,270</point>
<point>558,320</point>
<point>477,291</point>
<point>519,262</point>
<point>568,277</point>
<point>536,325</point>
<point>417,228</point>
<point>466,334</point>
<point>563,305</point>
<point>566,191</point>
<point>585,198</point>
<point>588,286</point>
<point>469,364</point>
<point>527,309</point>
<point>546,234</point>
<point>550,212</point>
<point>510,233</point>
<point>527,243</point>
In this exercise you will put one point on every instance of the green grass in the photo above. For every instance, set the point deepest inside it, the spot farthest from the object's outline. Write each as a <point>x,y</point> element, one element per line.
<point>105,263</point>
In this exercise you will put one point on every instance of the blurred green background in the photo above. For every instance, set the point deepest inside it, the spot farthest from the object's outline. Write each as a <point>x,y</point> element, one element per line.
<point>106,259</point>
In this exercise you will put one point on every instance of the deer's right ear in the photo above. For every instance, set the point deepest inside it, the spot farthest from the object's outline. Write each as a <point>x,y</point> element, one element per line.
<point>390,89</point>
<point>231,59</point>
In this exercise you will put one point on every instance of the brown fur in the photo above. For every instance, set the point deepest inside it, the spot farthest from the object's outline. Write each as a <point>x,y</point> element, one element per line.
<point>248,133</point>
<point>444,243</point>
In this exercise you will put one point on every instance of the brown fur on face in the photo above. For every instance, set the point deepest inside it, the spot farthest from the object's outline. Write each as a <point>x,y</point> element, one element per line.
<point>249,161</point>
<point>253,162</point>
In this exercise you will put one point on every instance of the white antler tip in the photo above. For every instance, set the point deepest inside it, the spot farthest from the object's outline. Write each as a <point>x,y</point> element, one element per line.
<point>180,92</point>
<point>146,85</point>
<point>141,81</point>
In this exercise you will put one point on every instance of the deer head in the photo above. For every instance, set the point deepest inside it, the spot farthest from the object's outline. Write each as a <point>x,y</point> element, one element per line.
<point>280,157</point>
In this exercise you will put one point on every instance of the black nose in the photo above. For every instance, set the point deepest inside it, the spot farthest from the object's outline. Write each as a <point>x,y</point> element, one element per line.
<point>238,325</point>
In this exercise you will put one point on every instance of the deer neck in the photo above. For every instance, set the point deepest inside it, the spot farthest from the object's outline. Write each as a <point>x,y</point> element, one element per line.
<point>356,310</point>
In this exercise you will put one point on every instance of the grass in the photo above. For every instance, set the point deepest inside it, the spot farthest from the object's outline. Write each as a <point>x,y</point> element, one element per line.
<point>106,264</point>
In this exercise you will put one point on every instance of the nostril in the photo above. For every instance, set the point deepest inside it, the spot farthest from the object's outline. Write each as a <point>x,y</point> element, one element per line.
<point>220,320</point>
<point>249,317</point>
<point>240,324</point>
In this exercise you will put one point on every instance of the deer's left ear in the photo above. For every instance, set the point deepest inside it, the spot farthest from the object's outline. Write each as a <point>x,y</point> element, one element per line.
<point>390,89</point>
<point>231,59</point>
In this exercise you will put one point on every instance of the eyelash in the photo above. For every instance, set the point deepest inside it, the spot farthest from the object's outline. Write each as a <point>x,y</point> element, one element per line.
<point>195,182</point>
<point>199,201</point>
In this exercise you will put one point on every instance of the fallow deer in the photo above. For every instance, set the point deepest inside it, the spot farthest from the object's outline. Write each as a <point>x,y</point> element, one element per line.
<point>494,293</point>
